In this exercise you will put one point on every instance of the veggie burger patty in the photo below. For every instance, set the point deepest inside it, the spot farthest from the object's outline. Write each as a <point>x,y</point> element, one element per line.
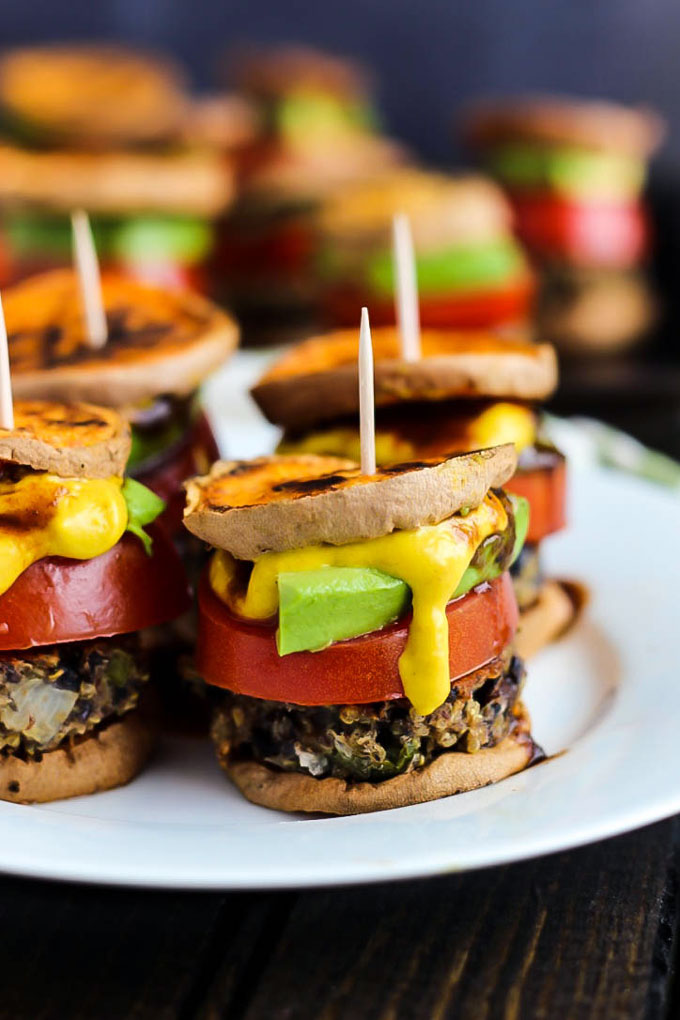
<point>50,694</point>
<point>371,742</point>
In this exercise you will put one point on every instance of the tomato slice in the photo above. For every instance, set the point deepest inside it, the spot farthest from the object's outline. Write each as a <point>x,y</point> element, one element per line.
<point>193,456</point>
<point>593,233</point>
<point>545,486</point>
<point>241,655</point>
<point>284,247</point>
<point>478,310</point>
<point>123,590</point>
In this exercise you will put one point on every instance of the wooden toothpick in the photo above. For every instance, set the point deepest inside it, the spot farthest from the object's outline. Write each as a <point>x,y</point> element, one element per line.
<point>6,403</point>
<point>405,288</point>
<point>366,397</point>
<point>87,267</point>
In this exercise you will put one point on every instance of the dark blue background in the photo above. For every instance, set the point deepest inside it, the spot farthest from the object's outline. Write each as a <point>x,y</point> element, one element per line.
<point>428,54</point>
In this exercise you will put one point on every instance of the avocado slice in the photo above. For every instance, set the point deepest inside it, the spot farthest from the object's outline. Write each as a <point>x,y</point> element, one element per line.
<point>446,270</point>
<point>316,113</point>
<point>487,564</point>
<point>572,172</point>
<point>131,238</point>
<point>319,607</point>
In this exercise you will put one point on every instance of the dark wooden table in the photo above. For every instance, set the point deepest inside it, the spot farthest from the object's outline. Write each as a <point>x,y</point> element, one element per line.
<point>586,934</point>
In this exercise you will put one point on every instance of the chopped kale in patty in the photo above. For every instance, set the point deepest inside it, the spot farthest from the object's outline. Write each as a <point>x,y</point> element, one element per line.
<point>50,694</point>
<point>369,742</point>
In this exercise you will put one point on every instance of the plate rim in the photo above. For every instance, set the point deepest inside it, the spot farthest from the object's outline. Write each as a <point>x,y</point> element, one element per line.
<point>356,872</point>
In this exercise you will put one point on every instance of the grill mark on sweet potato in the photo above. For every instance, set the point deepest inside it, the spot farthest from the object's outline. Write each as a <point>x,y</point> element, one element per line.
<point>73,423</point>
<point>240,467</point>
<point>142,336</point>
<point>54,345</point>
<point>398,469</point>
<point>309,486</point>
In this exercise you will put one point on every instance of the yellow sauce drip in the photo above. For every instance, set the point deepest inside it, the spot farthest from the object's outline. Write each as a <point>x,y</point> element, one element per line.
<point>44,515</point>
<point>497,424</point>
<point>346,442</point>
<point>504,423</point>
<point>430,560</point>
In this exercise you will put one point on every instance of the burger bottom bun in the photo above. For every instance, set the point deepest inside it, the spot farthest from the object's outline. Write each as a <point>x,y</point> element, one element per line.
<point>556,609</point>
<point>111,756</point>
<point>597,313</point>
<point>452,772</point>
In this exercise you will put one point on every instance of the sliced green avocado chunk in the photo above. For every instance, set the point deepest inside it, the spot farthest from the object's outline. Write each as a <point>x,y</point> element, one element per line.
<point>448,270</point>
<point>319,607</point>
<point>572,172</point>
<point>129,238</point>
<point>309,113</point>
<point>487,564</point>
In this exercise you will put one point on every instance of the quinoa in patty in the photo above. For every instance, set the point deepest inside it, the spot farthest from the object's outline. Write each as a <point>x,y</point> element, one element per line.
<point>370,742</point>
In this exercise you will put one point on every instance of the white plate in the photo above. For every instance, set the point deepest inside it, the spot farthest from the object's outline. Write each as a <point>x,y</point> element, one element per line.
<point>605,696</point>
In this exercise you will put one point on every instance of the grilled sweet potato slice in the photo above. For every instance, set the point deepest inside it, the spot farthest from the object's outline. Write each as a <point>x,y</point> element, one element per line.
<point>69,440</point>
<point>279,503</point>
<point>100,95</point>
<point>159,341</point>
<point>318,379</point>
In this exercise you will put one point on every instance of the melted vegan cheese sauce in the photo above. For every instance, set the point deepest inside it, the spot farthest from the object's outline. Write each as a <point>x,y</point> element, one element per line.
<point>44,515</point>
<point>504,423</point>
<point>497,424</point>
<point>431,560</point>
<point>346,442</point>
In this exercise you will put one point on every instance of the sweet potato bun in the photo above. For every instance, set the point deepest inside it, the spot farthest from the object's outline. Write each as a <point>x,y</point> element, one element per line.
<point>69,440</point>
<point>92,95</point>
<point>160,341</point>
<point>111,756</point>
<point>561,120</point>
<point>452,772</point>
<point>288,502</point>
<point>550,616</point>
<point>317,380</point>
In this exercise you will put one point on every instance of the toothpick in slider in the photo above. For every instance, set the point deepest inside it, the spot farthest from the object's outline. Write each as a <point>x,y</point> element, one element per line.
<point>406,287</point>
<point>366,397</point>
<point>6,403</point>
<point>87,266</point>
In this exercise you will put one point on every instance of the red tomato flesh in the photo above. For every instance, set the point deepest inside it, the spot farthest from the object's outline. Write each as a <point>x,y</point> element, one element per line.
<point>595,233</point>
<point>510,305</point>
<point>57,600</point>
<point>546,490</point>
<point>279,248</point>
<point>241,655</point>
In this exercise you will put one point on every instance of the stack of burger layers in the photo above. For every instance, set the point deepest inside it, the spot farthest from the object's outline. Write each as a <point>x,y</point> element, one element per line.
<point>161,345</point>
<point>318,132</point>
<point>472,272</point>
<point>116,133</point>
<point>574,171</point>
<point>469,390</point>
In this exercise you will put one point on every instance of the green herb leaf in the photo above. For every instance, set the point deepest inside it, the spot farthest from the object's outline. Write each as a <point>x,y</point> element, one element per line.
<point>144,506</point>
